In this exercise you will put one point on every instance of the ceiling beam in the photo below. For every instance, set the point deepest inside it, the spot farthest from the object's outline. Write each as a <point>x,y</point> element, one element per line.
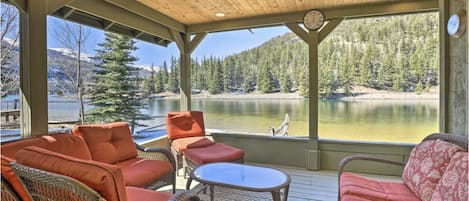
<point>149,13</point>
<point>299,31</point>
<point>380,9</point>
<point>53,5</point>
<point>68,13</point>
<point>140,33</point>
<point>177,38</point>
<point>118,15</point>
<point>109,25</point>
<point>328,28</point>
<point>196,41</point>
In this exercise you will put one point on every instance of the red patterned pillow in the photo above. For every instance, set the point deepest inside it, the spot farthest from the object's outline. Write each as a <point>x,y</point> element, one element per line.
<point>454,182</point>
<point>427,163</point>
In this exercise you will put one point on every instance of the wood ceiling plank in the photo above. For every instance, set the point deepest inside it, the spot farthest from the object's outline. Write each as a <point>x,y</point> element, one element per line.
<point>202,12</point>
<point>331,13</point>
<point>149,13</point>
<point>114,13</point>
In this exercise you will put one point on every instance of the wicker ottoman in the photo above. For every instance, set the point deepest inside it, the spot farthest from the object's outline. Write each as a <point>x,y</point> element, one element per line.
<point>217,152</point>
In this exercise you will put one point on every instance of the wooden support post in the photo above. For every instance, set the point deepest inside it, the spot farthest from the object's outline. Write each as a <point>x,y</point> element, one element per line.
<point>33,68</point>
<point>313,84</point>
<point>185,76</point>
<point>313,38</point>
<point>444,67</point>
<point>186,46</point>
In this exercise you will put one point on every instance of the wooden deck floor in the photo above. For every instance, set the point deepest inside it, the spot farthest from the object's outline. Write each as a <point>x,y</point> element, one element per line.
<point>306,185</point>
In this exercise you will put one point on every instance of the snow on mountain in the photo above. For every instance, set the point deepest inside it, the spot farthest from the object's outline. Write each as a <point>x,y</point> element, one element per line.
<point>147,67</point>
<point>69,52</point>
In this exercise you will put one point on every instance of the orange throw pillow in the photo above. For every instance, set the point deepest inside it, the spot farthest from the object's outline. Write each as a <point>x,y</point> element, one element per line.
<point>108,143</point>
<point>106,179</point>
<point>10,176</point>
<point>185,124</point>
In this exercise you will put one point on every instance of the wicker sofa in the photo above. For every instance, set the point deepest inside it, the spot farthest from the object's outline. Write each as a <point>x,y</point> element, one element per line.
<point>106,143</point>
<point>437,169</point>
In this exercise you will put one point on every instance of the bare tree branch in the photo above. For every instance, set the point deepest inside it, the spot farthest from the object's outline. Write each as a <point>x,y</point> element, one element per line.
<point>73,37</point>
<point>9,36</point>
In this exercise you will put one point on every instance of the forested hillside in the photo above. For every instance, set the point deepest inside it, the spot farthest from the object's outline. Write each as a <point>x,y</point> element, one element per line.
<point>396,53</point>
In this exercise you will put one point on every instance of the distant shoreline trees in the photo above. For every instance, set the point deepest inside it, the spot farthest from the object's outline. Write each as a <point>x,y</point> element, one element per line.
<point>393,53</point>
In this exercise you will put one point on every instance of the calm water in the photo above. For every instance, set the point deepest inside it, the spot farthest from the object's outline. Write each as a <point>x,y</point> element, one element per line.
<point>373,120</point>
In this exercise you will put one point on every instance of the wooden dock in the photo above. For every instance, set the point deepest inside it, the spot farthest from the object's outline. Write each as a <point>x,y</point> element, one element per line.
<point>10,118</point>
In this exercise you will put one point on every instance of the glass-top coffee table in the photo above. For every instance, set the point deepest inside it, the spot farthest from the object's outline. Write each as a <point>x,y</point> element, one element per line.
<point>243,177</point>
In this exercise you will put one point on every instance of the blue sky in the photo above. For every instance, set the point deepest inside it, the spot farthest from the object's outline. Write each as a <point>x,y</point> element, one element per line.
<point>215,44</point>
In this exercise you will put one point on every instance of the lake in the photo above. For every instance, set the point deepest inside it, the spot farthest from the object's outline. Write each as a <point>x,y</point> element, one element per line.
<point>370,120</point>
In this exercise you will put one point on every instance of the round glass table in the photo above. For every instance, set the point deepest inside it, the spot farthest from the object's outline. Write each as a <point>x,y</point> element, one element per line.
<point>243,177</point>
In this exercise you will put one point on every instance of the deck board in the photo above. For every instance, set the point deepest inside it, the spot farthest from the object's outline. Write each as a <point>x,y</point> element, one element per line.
<point>305,185</point>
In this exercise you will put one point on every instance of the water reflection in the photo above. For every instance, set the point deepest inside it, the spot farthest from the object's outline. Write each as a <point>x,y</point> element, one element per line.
<point>374,120</point>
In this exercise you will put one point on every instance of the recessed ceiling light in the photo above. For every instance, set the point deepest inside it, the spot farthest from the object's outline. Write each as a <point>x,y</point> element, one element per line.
<point>220,14</point>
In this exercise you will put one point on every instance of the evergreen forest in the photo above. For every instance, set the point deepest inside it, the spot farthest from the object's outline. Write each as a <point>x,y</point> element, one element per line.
<point>394,53</point>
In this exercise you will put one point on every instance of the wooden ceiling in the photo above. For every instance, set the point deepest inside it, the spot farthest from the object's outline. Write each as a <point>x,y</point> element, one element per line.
<point>192,12</point>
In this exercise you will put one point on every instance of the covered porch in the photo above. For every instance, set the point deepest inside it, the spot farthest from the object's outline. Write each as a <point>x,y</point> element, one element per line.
<point>188,23</point>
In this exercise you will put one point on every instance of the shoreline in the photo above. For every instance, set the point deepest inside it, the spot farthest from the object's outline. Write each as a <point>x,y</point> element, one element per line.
<point>296,96</point>
<point>360,95</point>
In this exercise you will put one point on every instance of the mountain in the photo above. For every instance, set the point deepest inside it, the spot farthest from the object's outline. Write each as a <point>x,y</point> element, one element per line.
<point>392,53</point>
<point>61,68</point>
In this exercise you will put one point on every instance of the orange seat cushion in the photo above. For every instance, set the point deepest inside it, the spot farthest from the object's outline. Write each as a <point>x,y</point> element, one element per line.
<point>218,152</point>
<point>354,198</point>
<point>108,143</point>
<point>427,163</point>
<point>61,143</point>
<point>454,182</point>
<point>181,144</point>
<point>143,172</point>
<point>140,194</point>
<point>104,178</point>
<point>352,185</point>
<point>185,124</point>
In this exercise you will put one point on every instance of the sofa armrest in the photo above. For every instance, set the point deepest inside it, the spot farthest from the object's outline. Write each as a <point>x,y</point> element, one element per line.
<point>185,196</point>
<point>156,154</point>
<point>348,159</point>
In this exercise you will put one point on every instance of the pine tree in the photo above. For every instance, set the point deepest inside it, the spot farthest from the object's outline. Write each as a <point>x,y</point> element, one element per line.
<point>165,74</point>
<point>150,82</point>
<point>173,81</point>
<point>159,85</point>
<point>216,85</point>
<point>285,81</point>
<point>114,94</point>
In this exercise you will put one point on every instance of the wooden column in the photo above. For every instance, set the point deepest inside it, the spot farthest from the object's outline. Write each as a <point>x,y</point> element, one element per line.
<point>186,46</point>
<point>33,68</point>
<point>185,76</point>
<point>313,48</point>
<point>313,38</point>
<point>444,66</point>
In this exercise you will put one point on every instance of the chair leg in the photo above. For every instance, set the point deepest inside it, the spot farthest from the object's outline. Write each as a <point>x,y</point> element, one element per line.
<point>176,160</point>
<point>174,187</point>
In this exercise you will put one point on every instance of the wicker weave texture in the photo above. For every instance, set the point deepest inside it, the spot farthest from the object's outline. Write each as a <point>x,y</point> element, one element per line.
<point>48,186</point>
<point>7,193</point>
<point>159,154</point>
<point>460,140</point>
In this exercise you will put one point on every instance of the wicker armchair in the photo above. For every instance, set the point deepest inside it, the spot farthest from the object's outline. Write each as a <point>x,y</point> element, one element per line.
<point>159,154</point>
<point>459,140</point>
<point>43,185</point>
